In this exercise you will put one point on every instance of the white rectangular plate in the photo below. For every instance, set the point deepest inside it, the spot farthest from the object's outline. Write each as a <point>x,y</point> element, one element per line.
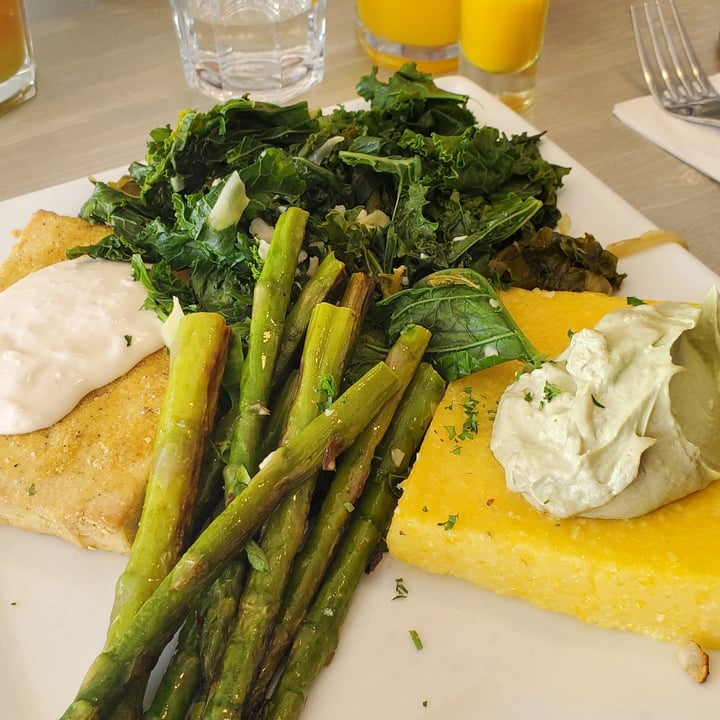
<point>483,656</point>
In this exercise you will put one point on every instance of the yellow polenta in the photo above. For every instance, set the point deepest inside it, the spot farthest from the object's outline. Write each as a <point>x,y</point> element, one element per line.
<point>658,574</point>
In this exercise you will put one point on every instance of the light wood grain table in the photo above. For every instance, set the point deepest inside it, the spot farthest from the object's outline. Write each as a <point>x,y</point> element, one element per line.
<point>109,71</point>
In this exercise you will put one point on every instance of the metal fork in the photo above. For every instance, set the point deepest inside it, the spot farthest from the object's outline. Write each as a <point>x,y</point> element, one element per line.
<point>671,69</point>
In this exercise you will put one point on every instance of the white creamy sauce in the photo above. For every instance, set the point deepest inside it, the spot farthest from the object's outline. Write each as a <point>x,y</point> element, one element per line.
<point>626,420</point>
<point>66,330</point>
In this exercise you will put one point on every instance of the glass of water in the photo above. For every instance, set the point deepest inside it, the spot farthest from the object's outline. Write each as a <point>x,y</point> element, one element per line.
<point>270,50</point>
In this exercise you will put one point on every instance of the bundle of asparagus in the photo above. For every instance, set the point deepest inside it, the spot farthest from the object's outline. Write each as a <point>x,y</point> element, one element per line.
<point>259,589</point>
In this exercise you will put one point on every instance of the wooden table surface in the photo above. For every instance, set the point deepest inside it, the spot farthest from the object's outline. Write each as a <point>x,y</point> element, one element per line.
<point>109,71</point>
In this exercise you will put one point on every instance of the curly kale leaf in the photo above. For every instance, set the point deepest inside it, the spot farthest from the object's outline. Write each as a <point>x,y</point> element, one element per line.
<point>411,98</point>
<point>203,257</point>
<point>204,146</point>
<point>484,163</point>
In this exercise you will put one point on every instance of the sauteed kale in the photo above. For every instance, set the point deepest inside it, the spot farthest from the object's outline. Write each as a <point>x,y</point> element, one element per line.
<point>406,184</point>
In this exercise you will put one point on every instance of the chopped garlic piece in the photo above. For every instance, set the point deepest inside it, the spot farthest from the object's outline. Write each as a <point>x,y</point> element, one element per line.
<point>397,456</point>
<point>563,224</point>
<point>376,218</point>
<point>694,661</point>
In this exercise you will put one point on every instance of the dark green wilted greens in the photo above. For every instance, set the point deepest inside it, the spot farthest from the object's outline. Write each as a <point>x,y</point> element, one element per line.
<point>550,260</point>
<point>404,187</point>
<point>449,191</point>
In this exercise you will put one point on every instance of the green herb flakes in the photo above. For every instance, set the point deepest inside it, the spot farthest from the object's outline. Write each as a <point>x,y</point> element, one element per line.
<point>469,405</point>
<point>417,642</point>
<point>328,389</point>
<point>550,391</point>
<point>449,524</point>
<point>401,590</point>
<point>470,424</point>
<point>256,557</point>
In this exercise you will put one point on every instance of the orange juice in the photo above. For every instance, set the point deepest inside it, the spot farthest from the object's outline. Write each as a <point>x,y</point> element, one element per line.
<point>502,36</point>
<point>395,31</point>
<point>12,38</point>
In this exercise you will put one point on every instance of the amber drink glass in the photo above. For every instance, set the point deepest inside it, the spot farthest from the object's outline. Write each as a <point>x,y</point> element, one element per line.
<point>500,44</point>
<point>17,66</point>
<point>393,32</point>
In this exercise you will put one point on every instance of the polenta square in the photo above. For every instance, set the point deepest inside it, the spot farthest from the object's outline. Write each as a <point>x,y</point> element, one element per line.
<point>658,574</point>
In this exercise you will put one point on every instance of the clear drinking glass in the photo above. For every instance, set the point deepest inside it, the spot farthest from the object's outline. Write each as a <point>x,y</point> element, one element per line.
<point>271,50</point>
<point>17,66</point>
<point>393,32</point>
<point>500,44</point>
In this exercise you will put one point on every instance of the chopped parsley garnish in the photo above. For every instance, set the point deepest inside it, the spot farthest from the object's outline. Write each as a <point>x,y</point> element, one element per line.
<point>635,301</point>
<point>470,424</point>
<point>128,340</point>
<point>328,389</point>
<point>550,391</point>
<point>401,590</point>
<point>596,402</point>
<point>256,557</point>
<point>449,524</point>
<point>416,639</point>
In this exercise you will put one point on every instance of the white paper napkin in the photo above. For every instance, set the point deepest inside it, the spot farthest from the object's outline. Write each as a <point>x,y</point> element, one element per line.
<point>696,145</point>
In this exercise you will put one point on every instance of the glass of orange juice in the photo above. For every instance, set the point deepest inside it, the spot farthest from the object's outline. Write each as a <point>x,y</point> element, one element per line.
<point>17,67</point>
<point>393,32</point>
<point>500,44</point>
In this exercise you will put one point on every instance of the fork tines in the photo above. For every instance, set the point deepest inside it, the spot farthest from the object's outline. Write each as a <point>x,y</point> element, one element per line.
<point>672,71</point>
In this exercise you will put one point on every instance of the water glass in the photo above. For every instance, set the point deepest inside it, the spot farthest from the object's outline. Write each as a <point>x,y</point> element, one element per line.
<point>500,44</point>
<point>271,50</point>
<point>17,66</point>
<point>393,32</point>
